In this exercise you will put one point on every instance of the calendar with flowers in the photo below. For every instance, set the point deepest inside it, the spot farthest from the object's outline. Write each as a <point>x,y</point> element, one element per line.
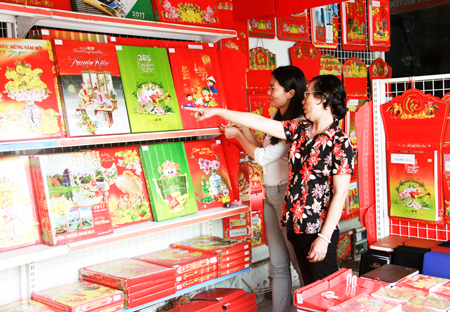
<point>195,12</point>
<point>29,105</point>
<point>72,191</point>
<point>209,173</point>
<point>19,225</point>
<point>127,195</point>
<point>92,89</point>
<point>149,90</point>
<point>168,180</point>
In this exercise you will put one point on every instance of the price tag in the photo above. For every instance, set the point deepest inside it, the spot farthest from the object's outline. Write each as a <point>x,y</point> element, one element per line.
<point>45,32</point>
<point>171,50</point>
<point>118,48</point>
<point>238,232</point>
<point>144,148</point>
<point>447,166</point>
<point>58,42</point>
<point>406,159</point>
<point>195,47</point>
<point>113,39</point>
<point>376,4</point>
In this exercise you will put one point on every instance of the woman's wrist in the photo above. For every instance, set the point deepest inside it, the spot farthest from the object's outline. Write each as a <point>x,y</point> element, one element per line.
<point>324,238</point>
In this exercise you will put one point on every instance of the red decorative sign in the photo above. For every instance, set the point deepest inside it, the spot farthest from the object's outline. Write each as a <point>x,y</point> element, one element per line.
<point>330,65</point>
<point>379,25</point>
<point>306,56</point>
<point>294,27</point>
<point>353,24</point>
<point>261,28</point>
<point>354,73</point>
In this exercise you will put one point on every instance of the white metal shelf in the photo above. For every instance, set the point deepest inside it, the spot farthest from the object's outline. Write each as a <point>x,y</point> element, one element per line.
<point>17,257</point>
<point>188,290</point>
<point>28,17</point>
<point>106,139</point>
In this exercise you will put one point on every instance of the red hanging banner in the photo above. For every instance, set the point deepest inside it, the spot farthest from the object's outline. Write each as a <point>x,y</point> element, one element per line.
<point>330,65</point>
<point>261,28</point>
<point>354,73</point>
<point>353,24</point>
<point>379,25</point>
<point>293,27</point>
<point>307,57</point>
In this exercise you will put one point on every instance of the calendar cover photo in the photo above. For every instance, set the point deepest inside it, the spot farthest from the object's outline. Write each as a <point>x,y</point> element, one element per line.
<point>92,89</point>
<point>72,191</point>
<point>149,90</point>
<point>29,103</point>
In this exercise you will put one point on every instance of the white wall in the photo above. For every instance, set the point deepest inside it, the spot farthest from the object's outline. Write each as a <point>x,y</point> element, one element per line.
<point>279,47</point>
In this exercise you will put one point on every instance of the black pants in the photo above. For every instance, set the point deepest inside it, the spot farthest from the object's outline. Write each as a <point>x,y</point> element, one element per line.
<point>313,271</point>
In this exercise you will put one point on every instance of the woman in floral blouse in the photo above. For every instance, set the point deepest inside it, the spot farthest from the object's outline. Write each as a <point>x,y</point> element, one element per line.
<point>320,166</point>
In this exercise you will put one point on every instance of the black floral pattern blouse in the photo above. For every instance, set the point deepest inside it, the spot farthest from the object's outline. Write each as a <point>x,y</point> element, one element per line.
<point>312,164</point>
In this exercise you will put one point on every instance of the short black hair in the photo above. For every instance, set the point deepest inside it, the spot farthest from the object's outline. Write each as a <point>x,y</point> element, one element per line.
<point>331,90</point>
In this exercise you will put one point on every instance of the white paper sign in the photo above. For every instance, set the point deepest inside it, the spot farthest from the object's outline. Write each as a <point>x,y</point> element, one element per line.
<point>447,165</point>
<point>407,159</point>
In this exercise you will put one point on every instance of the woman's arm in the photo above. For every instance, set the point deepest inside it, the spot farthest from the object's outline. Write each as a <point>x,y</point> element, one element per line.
<point>232,132</point>
<point>319,247</point>
<point>250,120</point>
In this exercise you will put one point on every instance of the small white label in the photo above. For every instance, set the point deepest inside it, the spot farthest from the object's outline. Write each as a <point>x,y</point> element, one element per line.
<point>179,287</point>
<point>45,32</point>
<point>247,259</point>
<point>58,41</point>
<point>329,33</point>
<point>238,232</point>
<point>246,253</point>
<point>376,3</point>
<point>116,298</point>
<point>407,159</point>
<point>447,166</point>
<point>255,219</point>
<point>178,279</point>
<point>144,148</point>
<point>213,260</point>
<point>246,247</point>
<point>118,48</point>
<point>211,45</point>
<point>247,265</point>
<point>195,47</point>
<point>353,185</point>
<point>113,39</point>
<point>218,142</point>
<point>353,102</point>
<point>171,50</point>
<point>299,298</point>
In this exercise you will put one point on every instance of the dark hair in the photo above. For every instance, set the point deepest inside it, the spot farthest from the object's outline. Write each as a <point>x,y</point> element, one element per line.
<point>290,78</point>
<point>332,92</point>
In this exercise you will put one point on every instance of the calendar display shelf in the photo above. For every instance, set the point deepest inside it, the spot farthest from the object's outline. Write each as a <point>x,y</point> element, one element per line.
<point>107,139</point>
<point>39,252</point>
<point>27,17</point>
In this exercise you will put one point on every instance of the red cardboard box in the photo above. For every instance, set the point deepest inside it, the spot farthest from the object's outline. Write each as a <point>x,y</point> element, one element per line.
<point>198,306</point>
<point>182,261</point>
<point>235,269</point>
<point>232,263</point>
<point>27,305</point>
<point>79,296</point>
<point>130,289</point>
<point>126,272</point>
<point>221,295</point>
<point>195,280</point>
<point>213,244</point>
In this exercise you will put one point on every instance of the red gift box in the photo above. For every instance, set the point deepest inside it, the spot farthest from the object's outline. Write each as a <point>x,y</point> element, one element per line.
<point>127,272</point>
<point>182,261</point>
<point>112,283</point>
<point>80,296</point>
<point>195,280</point>
<point>213,244</point>
<point>221,295</point>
